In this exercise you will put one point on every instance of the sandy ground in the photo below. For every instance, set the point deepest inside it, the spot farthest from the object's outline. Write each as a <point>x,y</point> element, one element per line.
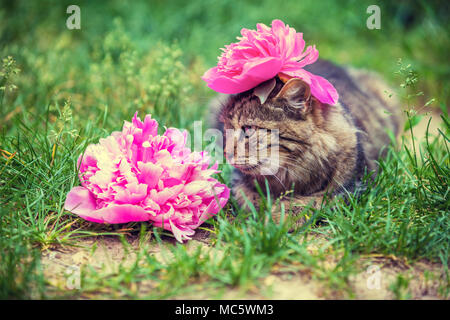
<point>373,283</point>
<point>379,272</point>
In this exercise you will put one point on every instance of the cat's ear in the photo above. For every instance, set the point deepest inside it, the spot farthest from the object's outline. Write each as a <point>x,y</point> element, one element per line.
<point>264,89</point>
<point>296,93</point>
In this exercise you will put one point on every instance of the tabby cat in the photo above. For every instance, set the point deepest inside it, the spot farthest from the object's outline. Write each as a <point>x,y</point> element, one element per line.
<point>322,148</point>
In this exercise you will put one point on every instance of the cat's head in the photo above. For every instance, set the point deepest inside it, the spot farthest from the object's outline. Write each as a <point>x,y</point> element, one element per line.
<point>275,115</point>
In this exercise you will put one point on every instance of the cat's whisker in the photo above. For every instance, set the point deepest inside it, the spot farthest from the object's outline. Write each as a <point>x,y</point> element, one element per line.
<point>278,179</point>
<point>299,179</point>
<point>287,170</point>
<point>295,164</point>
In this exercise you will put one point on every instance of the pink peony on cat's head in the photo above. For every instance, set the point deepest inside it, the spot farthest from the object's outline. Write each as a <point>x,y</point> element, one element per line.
<point>263,54</point>
<point>138,175</point>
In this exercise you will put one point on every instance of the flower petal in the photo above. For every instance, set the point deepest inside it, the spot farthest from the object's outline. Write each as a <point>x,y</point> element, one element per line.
<point>254,73</point>
<point>217,203</point>
<point>150,173</point>
<point>82,203</point>
<point>323,90</point>
<point>181,233</point>
<point>260,55</point>
<point>121,213</point>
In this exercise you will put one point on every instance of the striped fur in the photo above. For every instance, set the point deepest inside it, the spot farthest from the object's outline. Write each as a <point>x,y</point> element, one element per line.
<point>322,148</point>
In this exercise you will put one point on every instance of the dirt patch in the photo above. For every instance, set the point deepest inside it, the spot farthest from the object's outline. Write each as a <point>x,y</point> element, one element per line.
<point>378,280</point>
<point>392,278</point>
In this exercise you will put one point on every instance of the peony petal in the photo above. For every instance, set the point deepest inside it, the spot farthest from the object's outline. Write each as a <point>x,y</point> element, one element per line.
<point>301,74</point>
<point>323,90</point>
<point>178,137</point>
<point>181,233</point>
<point>150,127</point>
<point>196,187</point>
<point>82,203</point>
<point>221,83</point>
<point>262,69</point>
<point>132,194</point>
<point>166,194</point>
<point>150,173</point>
<point>122,213</point>
<point>310,56</point>
<point>254,73</point>
<point>217,203</point>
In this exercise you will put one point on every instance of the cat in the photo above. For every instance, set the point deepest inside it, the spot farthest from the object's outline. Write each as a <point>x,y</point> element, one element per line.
<point>322,149</point>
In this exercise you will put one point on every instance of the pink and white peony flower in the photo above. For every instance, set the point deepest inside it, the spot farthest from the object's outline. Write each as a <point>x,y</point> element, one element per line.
<point>261,55</point>
<point>138,175</point>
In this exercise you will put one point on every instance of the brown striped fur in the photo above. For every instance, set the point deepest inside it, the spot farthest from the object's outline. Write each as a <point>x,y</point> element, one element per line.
<point>322,148</point>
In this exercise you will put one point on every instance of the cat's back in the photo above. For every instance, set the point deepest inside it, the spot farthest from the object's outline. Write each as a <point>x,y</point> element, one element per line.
<point>366,97</point>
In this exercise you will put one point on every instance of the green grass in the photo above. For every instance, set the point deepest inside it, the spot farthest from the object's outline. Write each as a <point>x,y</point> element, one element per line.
<point>65,89</point>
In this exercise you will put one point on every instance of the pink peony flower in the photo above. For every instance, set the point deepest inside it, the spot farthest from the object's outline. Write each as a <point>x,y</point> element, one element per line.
<point>261,55</point>
<point>138,175</point>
